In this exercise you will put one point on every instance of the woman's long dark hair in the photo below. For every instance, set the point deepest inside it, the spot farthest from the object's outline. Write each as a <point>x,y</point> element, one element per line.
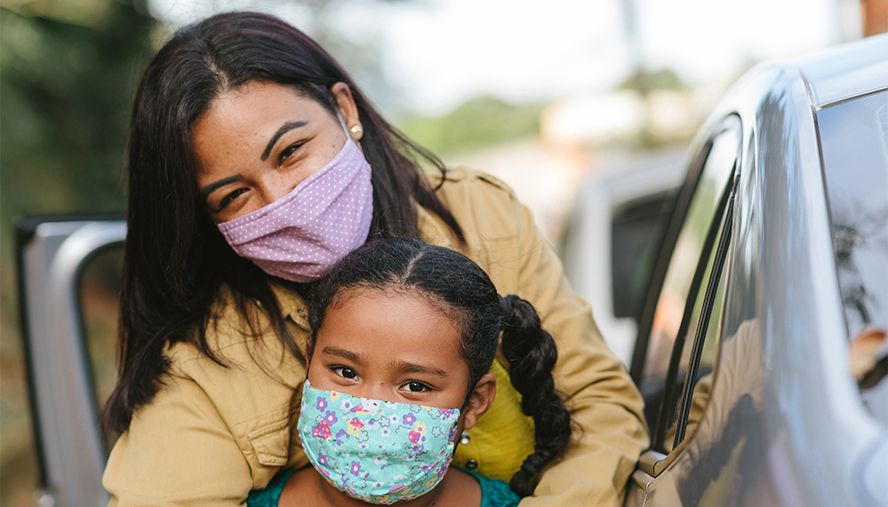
<point>175,260</point>
<point>449,278</point>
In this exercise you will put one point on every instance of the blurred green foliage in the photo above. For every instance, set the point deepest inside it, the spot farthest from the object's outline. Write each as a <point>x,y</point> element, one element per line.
<point>66,89</point>
<point>478,122</point>
<point>67,74</point>
<point>661,79</point>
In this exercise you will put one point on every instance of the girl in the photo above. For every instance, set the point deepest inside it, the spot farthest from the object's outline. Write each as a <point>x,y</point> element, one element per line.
<point>255,163</point>
<point>403,337</point>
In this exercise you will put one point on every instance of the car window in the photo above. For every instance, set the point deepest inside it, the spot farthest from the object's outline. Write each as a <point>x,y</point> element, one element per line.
<point>854,137</point>
<point>701,379</point>
<point>98,298</point>
<point>700,355</point>
<point>683,405</point>
<point>690,247</point>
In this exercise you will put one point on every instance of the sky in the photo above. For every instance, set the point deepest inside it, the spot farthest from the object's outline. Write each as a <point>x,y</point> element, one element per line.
<point>442,52</point>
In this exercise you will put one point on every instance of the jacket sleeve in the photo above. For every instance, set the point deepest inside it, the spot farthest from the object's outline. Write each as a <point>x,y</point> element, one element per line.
<point>606,409</point>
<point>177,451</point>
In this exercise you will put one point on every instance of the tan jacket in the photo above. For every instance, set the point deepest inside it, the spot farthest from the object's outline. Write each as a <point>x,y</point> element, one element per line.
<point>212,434</point>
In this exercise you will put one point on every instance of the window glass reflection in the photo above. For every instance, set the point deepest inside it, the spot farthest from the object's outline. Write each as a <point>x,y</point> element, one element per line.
<point>854,135</point>
<point>854,138</point>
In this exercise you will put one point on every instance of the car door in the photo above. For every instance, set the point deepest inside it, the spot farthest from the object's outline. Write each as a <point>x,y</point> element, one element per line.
<point>68,277</point>
<point>676,351</point>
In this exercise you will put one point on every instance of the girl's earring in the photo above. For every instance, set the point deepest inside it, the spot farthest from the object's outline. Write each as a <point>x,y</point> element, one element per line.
<point>356,130</point>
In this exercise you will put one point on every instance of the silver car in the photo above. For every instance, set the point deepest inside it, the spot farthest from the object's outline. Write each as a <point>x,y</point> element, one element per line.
<point>775,255</point>
<point>774,260</point>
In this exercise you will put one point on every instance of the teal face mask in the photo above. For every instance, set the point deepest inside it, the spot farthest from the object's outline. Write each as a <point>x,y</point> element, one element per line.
<point>380,452</point>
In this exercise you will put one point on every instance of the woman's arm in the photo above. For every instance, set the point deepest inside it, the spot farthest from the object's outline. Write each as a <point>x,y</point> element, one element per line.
<point>211,433</point>
<point>178,451</point>
<point>606,409</point>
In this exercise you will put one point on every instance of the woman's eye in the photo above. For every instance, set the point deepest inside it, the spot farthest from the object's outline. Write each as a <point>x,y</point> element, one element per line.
<point>346,372</point>
<point>286,152</point>
<point>230,197</point>
<point>416,387</point>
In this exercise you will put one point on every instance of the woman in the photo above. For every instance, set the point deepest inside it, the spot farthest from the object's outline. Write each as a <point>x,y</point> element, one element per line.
<point>235,124</point>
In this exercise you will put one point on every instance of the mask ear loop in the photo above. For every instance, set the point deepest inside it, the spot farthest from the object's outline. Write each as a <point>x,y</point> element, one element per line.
<point>341,121</point>
<point>465,404</point>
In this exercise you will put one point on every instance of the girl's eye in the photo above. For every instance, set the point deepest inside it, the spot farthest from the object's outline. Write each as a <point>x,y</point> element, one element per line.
<point>286,152</point>
<point>346,372</point>
<point>230,197</point>
<point>416,387</point>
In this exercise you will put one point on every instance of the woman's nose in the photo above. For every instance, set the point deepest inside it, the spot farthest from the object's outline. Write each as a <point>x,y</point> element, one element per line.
<point>272,186</point>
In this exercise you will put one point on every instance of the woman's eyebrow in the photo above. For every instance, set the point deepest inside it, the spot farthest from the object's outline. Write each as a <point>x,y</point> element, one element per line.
<point>286,127</point>
<point>209,189</point>
<point>344,354</point>
<point>407,367</point>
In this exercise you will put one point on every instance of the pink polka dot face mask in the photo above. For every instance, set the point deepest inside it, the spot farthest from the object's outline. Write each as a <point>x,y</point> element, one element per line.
<point>299,236</point>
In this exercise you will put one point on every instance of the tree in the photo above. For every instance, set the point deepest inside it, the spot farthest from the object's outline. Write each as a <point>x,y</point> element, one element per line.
<point>67,75</point>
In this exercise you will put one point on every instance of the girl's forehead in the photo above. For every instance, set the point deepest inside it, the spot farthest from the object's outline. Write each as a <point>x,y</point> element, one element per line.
<point>389,325</point>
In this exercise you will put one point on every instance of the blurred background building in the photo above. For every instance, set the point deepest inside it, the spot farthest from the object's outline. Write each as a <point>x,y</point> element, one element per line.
<point>545,96</point>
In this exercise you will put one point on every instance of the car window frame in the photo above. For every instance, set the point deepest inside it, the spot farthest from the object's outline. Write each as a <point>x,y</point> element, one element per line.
<point>722,220</point>
<point>671,235</point>
<point>64,476</point>
<point>724,212</point>
<point>710,296</point>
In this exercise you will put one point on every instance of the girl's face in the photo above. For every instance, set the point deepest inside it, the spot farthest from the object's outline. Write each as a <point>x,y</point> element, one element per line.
<point>395,346</point>
<point>256,143</point>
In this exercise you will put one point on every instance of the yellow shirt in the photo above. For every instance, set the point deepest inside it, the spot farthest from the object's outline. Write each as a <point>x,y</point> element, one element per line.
<point>501,440</point>
<point>211,434</point>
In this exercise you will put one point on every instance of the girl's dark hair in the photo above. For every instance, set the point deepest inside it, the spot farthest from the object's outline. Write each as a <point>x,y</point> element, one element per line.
<point>453,280</point>
<point>175,260</point>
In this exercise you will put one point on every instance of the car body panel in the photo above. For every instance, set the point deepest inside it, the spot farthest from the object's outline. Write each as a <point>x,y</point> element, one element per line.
<point>846,72</point>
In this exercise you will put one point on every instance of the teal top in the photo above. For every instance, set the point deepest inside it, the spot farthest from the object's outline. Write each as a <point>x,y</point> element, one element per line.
<point>493,493</point>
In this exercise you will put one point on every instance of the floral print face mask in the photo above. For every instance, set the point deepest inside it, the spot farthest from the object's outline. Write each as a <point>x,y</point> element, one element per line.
<point>380,452</point>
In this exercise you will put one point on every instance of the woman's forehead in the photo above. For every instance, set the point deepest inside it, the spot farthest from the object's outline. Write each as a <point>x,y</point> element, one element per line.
<point>239,124</point>
<point>258,103</point>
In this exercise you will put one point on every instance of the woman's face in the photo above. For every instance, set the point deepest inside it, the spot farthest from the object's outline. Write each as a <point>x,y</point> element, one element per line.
<point>256,143</point>
<point>397,347</point>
